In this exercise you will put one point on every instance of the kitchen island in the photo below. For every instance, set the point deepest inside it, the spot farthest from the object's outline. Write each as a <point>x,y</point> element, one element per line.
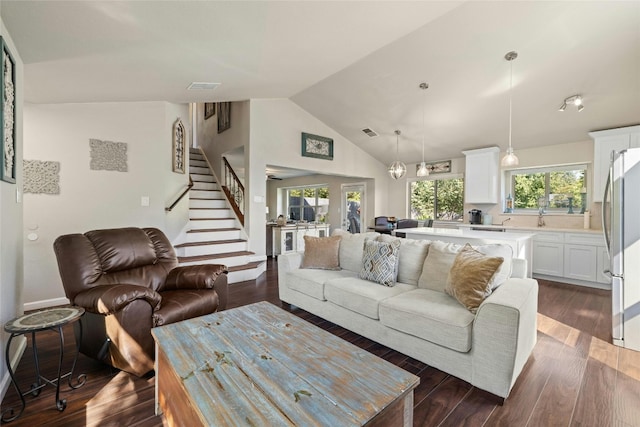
<point>521,243</point>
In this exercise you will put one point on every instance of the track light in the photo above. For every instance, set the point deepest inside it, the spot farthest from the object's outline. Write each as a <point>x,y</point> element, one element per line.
<point>575,100</point>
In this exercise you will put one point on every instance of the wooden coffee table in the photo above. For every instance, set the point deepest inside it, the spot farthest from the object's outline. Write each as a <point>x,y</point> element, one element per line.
<point>259,365</point>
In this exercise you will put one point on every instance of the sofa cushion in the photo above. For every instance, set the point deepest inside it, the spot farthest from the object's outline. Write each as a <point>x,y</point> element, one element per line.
<point>361,296</point>
<point>412,255</point>
<point>311,282</point>
<point>380,262</point>
<point>351,247</point>
<point>431,315</point>
<point>470,276</point>
<point>441,255</point>
<point>321,253</point>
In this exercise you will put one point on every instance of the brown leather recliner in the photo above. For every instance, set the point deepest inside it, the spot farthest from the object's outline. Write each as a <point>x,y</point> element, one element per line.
<point>128,281</point>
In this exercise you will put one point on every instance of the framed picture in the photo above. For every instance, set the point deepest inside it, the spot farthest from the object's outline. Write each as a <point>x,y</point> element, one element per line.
<point>8,108</point>
<point>179,137</point>
<point>317,146</point>
<point>437,167</point>
<point>224,116</point>
<point>209,109</point>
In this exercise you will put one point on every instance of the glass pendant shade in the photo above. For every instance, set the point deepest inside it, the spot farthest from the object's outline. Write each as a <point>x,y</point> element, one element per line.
<point>397,169</point>
<point>423,170</point>
<point>510,159</point>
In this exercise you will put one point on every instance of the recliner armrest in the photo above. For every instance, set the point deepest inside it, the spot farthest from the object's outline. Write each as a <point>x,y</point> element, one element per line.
<point>109,299</point>
<point>203,276</point>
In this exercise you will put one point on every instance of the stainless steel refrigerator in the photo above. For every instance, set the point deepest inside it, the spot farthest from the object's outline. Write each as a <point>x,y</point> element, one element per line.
<point>621,225</point>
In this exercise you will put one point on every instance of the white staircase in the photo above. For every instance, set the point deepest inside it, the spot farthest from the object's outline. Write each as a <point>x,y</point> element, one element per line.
<point>215,235</point>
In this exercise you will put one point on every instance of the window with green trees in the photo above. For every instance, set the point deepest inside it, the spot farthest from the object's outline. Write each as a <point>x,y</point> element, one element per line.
<point>308,203</point>
<point>440,199</point>
<point>558,187</point>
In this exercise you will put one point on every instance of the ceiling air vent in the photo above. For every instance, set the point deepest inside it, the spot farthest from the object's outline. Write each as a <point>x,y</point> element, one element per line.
<point>203,86</point>
<point>370,132</point>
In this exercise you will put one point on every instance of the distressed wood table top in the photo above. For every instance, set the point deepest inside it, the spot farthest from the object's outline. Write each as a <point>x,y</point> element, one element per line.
<point>260,365</point>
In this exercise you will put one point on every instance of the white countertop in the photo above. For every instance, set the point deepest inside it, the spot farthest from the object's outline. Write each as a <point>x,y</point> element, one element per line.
<point>465,233</point>
<point>518,229</point>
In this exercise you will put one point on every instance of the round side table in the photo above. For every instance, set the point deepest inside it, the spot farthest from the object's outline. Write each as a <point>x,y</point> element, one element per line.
<point>49,319</point>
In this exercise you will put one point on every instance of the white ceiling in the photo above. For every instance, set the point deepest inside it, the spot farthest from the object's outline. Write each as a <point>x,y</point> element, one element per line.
<point>352,64</point>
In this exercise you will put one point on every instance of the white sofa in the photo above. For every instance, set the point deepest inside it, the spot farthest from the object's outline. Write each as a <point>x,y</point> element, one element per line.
<point>487,349</point>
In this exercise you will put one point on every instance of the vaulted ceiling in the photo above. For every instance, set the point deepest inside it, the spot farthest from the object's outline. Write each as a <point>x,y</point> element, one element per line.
<point>352,64</point>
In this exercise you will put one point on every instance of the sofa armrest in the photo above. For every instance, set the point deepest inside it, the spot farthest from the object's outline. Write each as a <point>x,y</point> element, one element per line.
<point>519,268</point>
<point>504,334</point>
<point>109,299</point>
<point>286,263</point>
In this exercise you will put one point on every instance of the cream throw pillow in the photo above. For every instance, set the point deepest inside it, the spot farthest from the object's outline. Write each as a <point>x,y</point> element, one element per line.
<point>412,255</point>
<point>321,253</point>
<point>437,265</point>
<point>470,277</point>
<point>380,262</point>
<point>351,247</point>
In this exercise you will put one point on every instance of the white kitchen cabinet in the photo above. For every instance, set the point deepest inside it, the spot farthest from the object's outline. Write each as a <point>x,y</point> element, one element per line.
<point>290,238</point>
<point>548,258</point>
<point>580,262</point>
<point>605,142</point>
<point>482,173</point>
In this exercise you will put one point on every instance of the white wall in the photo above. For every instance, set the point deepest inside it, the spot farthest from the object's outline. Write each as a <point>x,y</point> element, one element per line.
<point>11,258</point>
<point>91,199</point>
<point>276,128</point>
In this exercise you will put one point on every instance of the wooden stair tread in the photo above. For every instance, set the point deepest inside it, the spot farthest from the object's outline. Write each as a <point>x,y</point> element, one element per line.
<point>213,242</point>
<point>211,230</point>
<point>213,256</point>
<point>247,266</point>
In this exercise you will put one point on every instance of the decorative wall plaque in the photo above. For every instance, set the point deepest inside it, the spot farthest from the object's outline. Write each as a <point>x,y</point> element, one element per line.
<point>317,146</point>
<point>224,116</point>
<point>179,137</point>
<point>209,109</point>
<point>437,167</point>
<point>41,177</point>
<point>107,155</point>
<point>8,104</point>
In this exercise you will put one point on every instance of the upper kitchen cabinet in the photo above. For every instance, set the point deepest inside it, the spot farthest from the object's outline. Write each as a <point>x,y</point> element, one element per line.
<point>605,142</point>
<point>482,173</point>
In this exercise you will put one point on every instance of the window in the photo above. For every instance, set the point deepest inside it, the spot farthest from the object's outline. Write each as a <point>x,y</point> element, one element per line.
<point>556,187</point>
<point>308,203</point>
<point>440,199</point>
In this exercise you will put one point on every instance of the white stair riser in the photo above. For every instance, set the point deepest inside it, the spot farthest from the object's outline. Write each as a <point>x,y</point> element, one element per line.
<point>244,275</point>
<point>199,177</point>
<point>206,194</point>
<point>214,249</point>
<point>201,224</point>
<point>208,236</point>
<point>209,203</point>
<point>197,170</point>
<point>205,186</point>
<point>199,163</point>
<point>202,213</point>
<point>228,261</point>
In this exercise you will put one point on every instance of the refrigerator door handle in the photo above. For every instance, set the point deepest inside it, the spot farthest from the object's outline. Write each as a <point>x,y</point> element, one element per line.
<point>606,224</point>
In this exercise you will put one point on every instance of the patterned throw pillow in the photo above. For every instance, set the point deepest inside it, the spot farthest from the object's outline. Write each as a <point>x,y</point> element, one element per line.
<point>380,262</point>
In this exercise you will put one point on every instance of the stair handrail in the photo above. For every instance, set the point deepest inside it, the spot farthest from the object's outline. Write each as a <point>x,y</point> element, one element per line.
<point>184,193</point>
<point>234,190</point>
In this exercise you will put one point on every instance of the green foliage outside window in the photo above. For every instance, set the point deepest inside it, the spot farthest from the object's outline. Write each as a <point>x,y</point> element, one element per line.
<point>557,187</point>
<point>437,199</point>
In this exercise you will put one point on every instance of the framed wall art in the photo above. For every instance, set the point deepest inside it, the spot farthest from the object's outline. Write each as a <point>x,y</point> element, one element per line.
<point>209,109</point>
<point>443,166</point>
<point>179,137</point>
<point>8,105</point>
<point>224,116</point>
<point>317,146</point>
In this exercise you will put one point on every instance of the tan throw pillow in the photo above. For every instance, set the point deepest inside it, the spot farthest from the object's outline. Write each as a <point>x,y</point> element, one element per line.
<point>470,277</point>
<point>380,262</point>
<point>321,253</point>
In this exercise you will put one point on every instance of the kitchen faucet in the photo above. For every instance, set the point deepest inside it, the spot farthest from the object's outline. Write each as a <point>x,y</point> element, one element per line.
<point>508,219</point>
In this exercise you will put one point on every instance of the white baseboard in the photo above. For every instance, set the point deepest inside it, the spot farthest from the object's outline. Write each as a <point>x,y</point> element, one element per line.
<point>37,305</point>
<point>6,379</point>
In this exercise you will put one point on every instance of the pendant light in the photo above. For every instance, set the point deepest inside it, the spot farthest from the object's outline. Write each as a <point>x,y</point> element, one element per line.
<point>397,169</point>
<point>423,170</point>
<point>510,159</point>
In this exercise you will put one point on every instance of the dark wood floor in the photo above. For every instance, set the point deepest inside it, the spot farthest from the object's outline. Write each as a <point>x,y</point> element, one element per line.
<point>575,377</point>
